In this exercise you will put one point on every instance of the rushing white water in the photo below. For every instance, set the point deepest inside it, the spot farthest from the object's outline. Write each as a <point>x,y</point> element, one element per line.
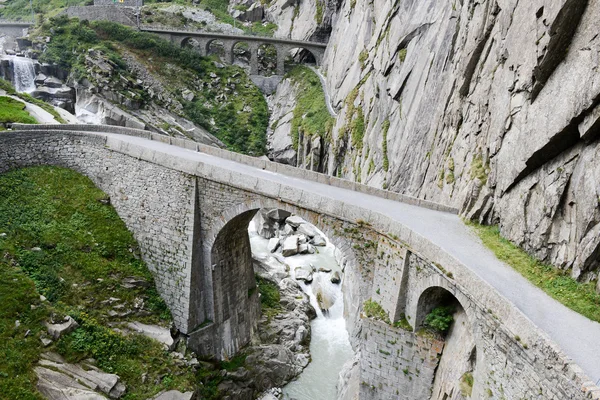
<point>24,74</point>
<point>329,346</point>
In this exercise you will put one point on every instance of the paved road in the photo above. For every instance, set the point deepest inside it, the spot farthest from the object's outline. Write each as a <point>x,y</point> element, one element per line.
<point>578,337</point>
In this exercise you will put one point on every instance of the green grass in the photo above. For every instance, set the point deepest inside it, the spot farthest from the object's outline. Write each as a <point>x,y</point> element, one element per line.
<point>385,129</point>
<point>8,88</point>
<point>310,114</point>
<point>21,10</point>
<point>580,297</point>
<point>234,109</point>
<point>269,297</point>
<point>12,110</point>
<point>63,242</point>
<point>373,309</point>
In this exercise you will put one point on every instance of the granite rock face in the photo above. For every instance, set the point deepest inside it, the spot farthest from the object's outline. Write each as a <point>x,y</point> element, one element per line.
<point>490,106</point>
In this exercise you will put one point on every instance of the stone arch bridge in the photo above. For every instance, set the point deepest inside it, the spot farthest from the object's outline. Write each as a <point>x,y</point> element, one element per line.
<point>282,46</point>
<point>189,205</point>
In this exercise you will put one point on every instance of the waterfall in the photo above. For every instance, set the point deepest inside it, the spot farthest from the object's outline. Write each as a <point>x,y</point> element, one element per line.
<point>23,74</point>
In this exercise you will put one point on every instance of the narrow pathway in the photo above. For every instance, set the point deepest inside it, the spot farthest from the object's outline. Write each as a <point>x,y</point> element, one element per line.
<point>324,85</point>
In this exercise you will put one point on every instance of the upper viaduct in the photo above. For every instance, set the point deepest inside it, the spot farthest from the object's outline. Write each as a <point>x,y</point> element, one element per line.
<point>205,39</point>
<point>184,38</point>
<point>189,205</point>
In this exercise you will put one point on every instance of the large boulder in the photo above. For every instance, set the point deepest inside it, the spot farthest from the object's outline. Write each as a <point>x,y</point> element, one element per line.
<point>290,246</point>
<point>68,325</point>
<point>294,221</point>
<point>304,273</point>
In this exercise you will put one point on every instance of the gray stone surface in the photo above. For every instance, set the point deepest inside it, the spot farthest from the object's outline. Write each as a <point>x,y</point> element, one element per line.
<point>158,333</point>
<point>62,328</point>
<point>501,304</point>
<point>289,247</point>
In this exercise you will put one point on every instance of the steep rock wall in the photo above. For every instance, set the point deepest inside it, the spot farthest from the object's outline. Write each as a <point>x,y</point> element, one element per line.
<point>490,106</point>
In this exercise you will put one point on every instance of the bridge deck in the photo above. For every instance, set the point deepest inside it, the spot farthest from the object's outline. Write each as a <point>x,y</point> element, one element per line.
<point>245,38</point>
<point>578,337</point>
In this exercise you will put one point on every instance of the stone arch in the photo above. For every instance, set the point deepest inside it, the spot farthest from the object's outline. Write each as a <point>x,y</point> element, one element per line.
<point>216,47</point>
<point>302,55</point>
<point>233,308</point>
<point>458,361</point>
<point>194,43</point>
<point>267,59</point>
<point>242,53</point>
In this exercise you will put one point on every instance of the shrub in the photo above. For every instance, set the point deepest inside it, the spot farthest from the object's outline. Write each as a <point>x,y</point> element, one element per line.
<point>440,319</point>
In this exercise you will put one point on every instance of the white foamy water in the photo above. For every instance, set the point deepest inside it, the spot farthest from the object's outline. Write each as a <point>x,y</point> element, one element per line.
<point>24,74</point>
<point>329,346</point>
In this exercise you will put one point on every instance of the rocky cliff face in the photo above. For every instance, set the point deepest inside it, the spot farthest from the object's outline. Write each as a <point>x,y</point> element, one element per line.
<point>491,106</point>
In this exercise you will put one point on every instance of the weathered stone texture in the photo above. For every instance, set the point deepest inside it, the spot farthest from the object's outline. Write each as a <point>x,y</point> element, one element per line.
<point>154,202</point>
<point>191,220</point>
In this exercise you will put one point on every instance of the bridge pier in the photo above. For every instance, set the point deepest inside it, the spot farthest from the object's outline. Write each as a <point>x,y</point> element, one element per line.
<point>253,58</point>
<point>281,53</point>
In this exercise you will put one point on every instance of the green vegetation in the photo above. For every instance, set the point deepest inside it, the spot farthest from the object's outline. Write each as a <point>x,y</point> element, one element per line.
<point>402,54</point>
<point>373,309</point>
<point>580,297</point>
<point>219,9</point>
<point>310,116</point>
<point>362,58</point>
<point>357,129</point>
<point>403,323</point>
<point>65,242</point>
<point>319,12</point>
<point>479,169</point>
<point>385,128</point>
<point>8,88</point>
<point>440,319</point>
<point>466,384</point>
<point>269,297</point>
<point>12,110</point>
<point>21,9</point>
<point>226,103</point>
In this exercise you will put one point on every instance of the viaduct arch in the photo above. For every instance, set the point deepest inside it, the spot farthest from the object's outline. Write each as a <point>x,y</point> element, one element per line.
<point>204,39</point>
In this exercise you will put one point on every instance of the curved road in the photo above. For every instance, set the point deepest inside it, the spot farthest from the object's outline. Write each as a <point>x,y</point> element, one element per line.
<point>578,336</point>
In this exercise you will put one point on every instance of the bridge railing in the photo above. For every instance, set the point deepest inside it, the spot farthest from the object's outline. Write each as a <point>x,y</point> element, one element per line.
<point>256,162</point>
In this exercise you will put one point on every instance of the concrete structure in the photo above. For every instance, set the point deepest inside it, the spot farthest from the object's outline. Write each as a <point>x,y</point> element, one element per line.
<point>189,206</point>
<point>15,29</point>
<point>119,3</point>
<point>204,39</point>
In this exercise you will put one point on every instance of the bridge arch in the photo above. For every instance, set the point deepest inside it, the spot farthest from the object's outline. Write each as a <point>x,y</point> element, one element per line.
<point>217,47</point>
<point>229,289</point>
<point>459,359</point>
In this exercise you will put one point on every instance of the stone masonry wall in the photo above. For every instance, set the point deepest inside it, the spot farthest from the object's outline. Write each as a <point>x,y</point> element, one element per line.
<point>396,364</point>
<point>514,358</point>
<point>155,203</point>
<point>120,14</point>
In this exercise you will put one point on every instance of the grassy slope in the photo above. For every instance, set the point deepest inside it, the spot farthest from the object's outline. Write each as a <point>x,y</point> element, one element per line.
<point>580,297</point>
<point>310,115</point>
<point>8,88</point>
<point>12,110</point>
<point>239,118</point>
<point>84,251</point>
<point>21,9</point>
